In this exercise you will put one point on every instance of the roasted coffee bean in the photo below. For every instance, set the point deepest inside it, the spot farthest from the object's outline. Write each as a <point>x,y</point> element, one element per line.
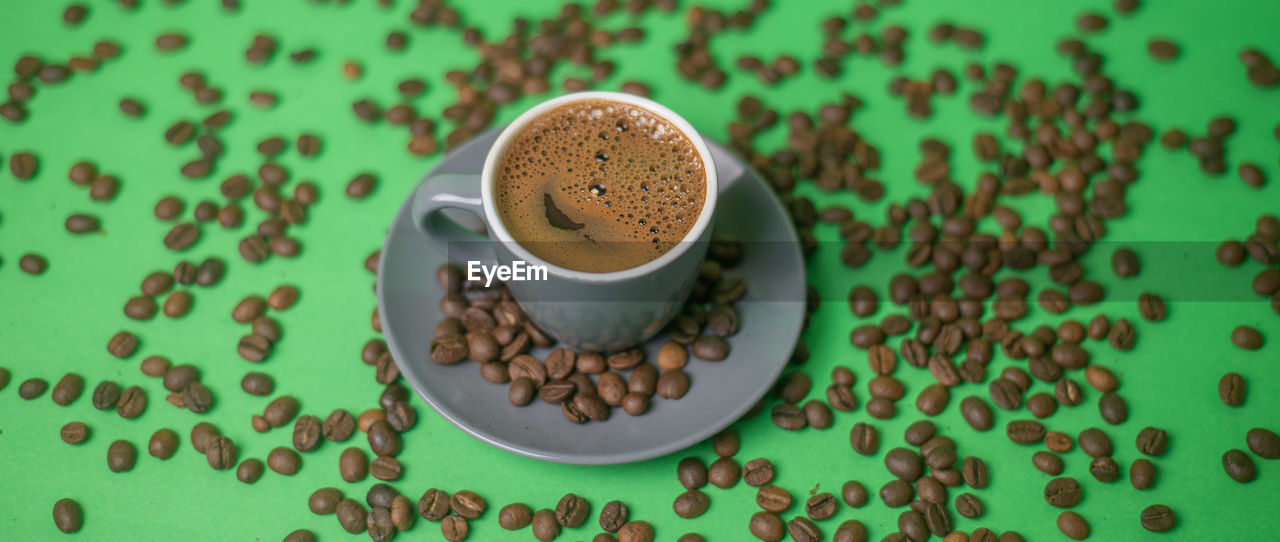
<point>572,511</point>
<point>612,517</point>
<point>282,297</point>
<point>339,426</point>
<point>1239,466</point>
<point>1263,442</point>
<point>851,531</point>
<point>74,433</point>
<point>1094,442</point>
<point>802,529</point>
<point>197,398</point>
<point>545,527</point>
<point>121,456</point>
<point>1113,408</point>
<point>1152,307</point>
<point>352,516</point>
<point>122,344</point>
<point>854,494</point>
<point>1157,518</point>
<point>1142,474</point>
<point>254,347</point>
<point>692,473</point>
<point>724,473</point>
<point>306,433</point>
<point>221,452</point>
<point>974,472</point>
<point>820,507</point>
<point>757,472</point>
<point>250,470</point>
<point>353,465</point>
<point>383,440</point>
<point>691,504</point>
<point>969,505</point>
<point>68,389</point>
<point>1047,463</point>
<point>179,377</point>
<point>133,401</point>
<point>1073,525</point>
<point>1152,441</point>
<point>817,414</point>
<point>140,308</point>
<point>1104,469</point>
<point>1246,338</point>
<point>710,348</point>
<point>281,410</point>
<point>787,416</point>
<point>163,444</point>
<point>725,443</point>
<point>201,435</point>
<point>896,493</point>
<point>1062,492</point>
<point>766,526</point>
<point>67,516</point>
<point>1025,431</point>
<point>260,384</point>
<point>361,185</point>
<point>385,468</point>
<point>864,438</point>
<point>454,528</point>
<point>976,413</point>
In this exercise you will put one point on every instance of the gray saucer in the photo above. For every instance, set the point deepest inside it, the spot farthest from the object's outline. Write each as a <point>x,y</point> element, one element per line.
<point>721,392</point>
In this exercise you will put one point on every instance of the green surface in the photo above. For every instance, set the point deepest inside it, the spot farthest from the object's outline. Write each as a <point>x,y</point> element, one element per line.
<point>60,321</point>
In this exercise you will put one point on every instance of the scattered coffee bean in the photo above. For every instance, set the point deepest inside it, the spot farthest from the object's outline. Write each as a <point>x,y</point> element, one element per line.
<point>121,456</point>
<point>67,515</point>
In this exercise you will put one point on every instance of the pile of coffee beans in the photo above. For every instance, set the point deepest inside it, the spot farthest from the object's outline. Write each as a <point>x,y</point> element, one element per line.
<point>484,324</point>
<point>952,309</point>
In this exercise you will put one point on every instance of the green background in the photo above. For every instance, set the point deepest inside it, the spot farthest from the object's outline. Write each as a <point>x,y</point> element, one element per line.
<point>60,321</point>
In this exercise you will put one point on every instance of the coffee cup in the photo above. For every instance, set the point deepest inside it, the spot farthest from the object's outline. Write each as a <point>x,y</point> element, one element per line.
<point>605,310</point>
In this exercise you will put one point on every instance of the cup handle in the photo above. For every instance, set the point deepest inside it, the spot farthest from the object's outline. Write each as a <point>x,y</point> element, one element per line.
<point>452,191</point>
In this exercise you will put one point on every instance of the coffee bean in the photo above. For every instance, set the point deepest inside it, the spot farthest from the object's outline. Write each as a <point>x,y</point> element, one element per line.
<point>724,473</point>
<point>1062,492</point>
<point>820,507</point>
<point>691,504</point>
<point>854,494</point>
<point>864,438</point>
<point>339,426</point>
<point>182,236</point>
<point>1263,442</point>
<point>1142,474</point>
<point>197,398</point>
<point>306,433</point>
<point>725,443</point>
<point>1231,388</point>
<point>635,531</point>
<point>383,440</point>
<point>353,465</point>
<point>1073,525</point>
<point>1094,442</point>
<point>254,347</point>
<point>1104,469</point>
<point>74,433</point>
<point>1113,408</point>
<point>281,410</point>
<point>572,511</point>
<point>787,416</point>
<point>757,472</point>
<point>121,456</point>
<point>67,516</point>
<point>250,470</point>
<point>221,452</point>
<point>545,527</point>
<point>974,472</point>
<point>68,389</point>
<point>352,516</point>
<point>1246,338</point>
<point>766,526</point>
<point>1152,307</point>
<point>896,493</point>
<point>851,531</point>
<point>361,186</point>
<point>710,348</point>
<point>692,473</point>
<point>284,461</point>
<point>283,297</point>
<point>82,223</point>
<point>1157,518</point>
<point>402,513</point>
<point>133,401</point>
<point>1152,441</point>
<point>1239,466</point>
<point>1047,463</point>
<point>1025,431</point>
<point>23,165</point>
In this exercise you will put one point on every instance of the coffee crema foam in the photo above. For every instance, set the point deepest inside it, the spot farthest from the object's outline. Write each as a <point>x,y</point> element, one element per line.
<point>600,186</point>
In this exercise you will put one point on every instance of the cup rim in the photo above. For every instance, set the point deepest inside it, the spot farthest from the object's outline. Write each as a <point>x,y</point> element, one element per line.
<point>499,230</point>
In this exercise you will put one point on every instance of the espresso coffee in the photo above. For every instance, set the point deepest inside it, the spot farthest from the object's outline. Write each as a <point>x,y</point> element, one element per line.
<point>600,186</point>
